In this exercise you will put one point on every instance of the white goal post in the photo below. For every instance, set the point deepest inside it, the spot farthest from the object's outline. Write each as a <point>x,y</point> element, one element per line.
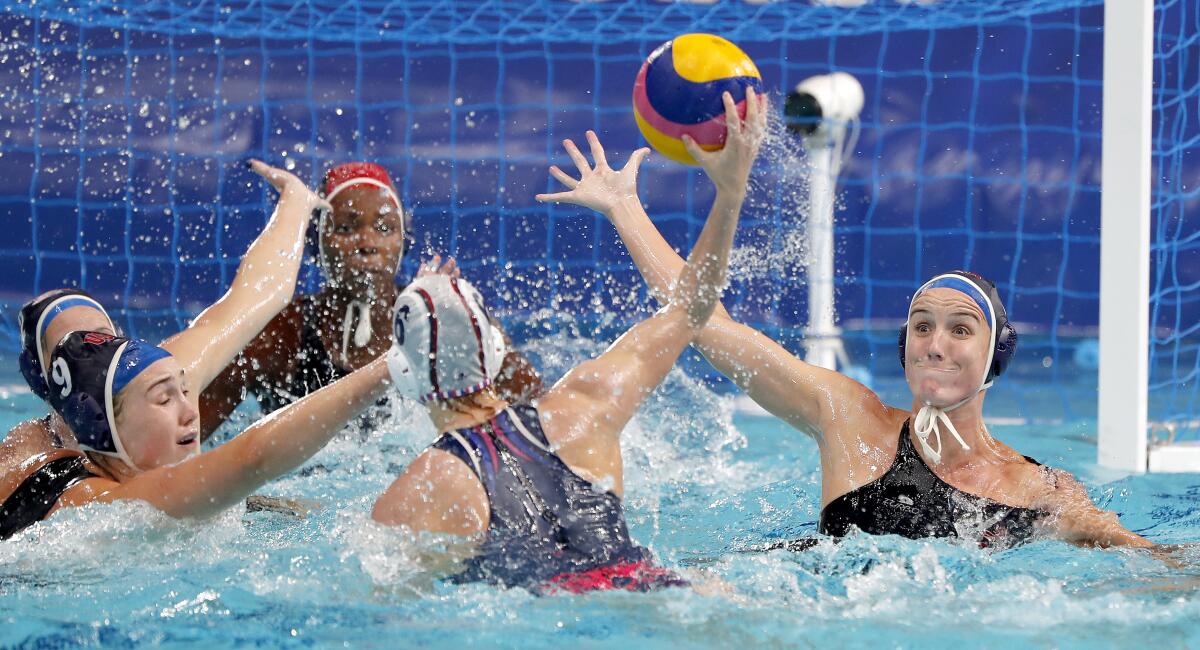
<point>1125,248</point>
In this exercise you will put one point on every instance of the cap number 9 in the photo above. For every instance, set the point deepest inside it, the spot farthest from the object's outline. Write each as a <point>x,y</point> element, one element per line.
<point>61,375</point>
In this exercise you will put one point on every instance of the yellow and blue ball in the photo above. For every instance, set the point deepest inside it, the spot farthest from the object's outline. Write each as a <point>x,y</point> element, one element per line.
<point>678,91</point>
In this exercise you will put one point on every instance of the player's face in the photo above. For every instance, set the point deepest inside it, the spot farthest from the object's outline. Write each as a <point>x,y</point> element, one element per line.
<point>364,235</point>
<point>947,349</point>
<point>158,423</point>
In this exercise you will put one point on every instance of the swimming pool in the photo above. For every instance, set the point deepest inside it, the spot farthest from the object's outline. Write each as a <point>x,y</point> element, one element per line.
<point>704,480</point>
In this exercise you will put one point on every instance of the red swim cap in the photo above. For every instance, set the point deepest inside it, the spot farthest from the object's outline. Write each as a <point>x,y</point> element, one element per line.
<point>353,174</point>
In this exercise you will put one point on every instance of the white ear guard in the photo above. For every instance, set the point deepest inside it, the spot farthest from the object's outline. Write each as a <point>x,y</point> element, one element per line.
<point>404,380</point>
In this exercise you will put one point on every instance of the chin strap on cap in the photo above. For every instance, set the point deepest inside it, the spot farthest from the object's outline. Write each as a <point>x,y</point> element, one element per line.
<point>928,422</point>
<point>362,331</point>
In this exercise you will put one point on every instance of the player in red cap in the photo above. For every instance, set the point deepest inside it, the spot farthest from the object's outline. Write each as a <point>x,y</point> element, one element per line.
<point>319,338</point>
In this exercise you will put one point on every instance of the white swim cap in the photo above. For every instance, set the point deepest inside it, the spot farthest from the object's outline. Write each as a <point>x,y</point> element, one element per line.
<point>444,345</point>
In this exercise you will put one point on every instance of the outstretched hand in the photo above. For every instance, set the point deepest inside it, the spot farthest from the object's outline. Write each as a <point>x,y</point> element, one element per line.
<point>729,167</point>
<point>284,181</point>
<point>599,187</point>
<point>435,267</point>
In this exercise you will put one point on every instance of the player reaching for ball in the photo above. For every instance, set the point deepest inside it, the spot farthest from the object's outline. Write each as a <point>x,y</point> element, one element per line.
<point>679,92</point>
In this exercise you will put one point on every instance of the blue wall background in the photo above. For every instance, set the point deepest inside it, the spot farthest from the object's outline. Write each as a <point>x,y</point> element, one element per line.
<point>125,127</point>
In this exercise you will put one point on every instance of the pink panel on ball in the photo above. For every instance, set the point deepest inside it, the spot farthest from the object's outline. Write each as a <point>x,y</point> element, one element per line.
<point>710,133</point>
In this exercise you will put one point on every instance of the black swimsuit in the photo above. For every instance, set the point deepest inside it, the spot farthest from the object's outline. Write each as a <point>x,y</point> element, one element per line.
<point>36,495</point>
<point>549,527</point>
<point>314,368</point>
<point>911,501</point>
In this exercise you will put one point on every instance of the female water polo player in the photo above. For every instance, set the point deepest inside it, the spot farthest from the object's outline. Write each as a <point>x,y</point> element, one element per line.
<point>130,407</point>
<point>35,453</point>
<point>884,469</point>
<point>360,243</point>
<point>540,484</point>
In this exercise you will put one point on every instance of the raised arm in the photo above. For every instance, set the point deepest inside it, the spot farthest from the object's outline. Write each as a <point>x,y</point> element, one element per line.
<point>584,413</point>
<point>206,484</point>
<point>264,284</point>
<point>772,376</point>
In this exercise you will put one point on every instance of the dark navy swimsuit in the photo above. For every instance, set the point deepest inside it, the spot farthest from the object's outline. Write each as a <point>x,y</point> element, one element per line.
<point>313,371</point>
<point>911,501</point>
<point>550,529</point>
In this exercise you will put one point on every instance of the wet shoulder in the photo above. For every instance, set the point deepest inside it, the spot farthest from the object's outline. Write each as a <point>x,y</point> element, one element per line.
<point>1051,488</point>
<point>23,442</point>
<point>861,453</point>
<point>876,426</point>
<point>1015,481</point>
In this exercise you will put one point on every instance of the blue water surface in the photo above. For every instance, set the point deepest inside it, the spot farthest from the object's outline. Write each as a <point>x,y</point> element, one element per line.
<point>705,482</point>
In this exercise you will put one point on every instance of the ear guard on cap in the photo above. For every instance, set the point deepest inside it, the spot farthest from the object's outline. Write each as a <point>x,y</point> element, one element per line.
<point>31,370</point>
<point>404,378</point>
<point>87,372</point>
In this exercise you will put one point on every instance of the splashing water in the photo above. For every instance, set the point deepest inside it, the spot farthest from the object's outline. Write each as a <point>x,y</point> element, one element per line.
<point>778,196</point>
<point>704,485</point>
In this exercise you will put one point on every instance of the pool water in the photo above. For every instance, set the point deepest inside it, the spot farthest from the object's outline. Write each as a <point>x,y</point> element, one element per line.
<point>704,483</point>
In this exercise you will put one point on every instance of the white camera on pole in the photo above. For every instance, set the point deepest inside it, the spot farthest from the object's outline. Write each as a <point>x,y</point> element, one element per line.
<point>824,110</point>
<point>824,103</point>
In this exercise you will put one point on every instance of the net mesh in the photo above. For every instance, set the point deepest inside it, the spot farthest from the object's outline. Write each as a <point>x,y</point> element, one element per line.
<point>126,125</point>
<point>1175,238</point>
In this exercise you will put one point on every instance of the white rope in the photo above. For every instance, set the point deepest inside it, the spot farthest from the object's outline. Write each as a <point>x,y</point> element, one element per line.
<point>362,332</point>
<point>928,423</point>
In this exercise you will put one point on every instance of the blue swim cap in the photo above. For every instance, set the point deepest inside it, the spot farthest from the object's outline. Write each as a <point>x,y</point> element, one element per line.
<point>33,321</point>
<point>87,371</point>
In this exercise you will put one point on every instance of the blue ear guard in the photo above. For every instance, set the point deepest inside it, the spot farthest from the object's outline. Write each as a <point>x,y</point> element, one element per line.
<point>1004,338</point>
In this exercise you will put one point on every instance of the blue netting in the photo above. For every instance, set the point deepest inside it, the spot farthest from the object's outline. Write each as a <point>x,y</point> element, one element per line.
<point>545,21</point>
<point>1175,238</point>
<point>125,125</point>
